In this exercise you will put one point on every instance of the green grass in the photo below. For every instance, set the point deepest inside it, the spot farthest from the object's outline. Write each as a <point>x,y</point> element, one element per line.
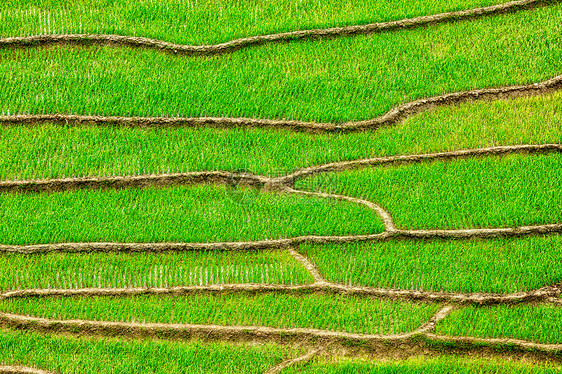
<point>443,364</point>
<point>120,270</point>
<point>85,355</point>
<point>326,312</point>
<point>329,80</point>
<point>206,21</point>
<point>50,151</point>
<point>485,192</point>
<point>185,214</point>
<point>498,265</point>
<point>538,323</point>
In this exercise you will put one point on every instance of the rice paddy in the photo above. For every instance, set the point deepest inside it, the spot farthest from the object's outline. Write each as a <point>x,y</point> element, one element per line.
<point>203,228</point>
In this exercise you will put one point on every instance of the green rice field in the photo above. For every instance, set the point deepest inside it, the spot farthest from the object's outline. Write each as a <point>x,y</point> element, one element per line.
<point>449,265</point>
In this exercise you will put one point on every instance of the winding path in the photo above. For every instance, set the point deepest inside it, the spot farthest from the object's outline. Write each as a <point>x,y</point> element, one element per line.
<point>236,44</point>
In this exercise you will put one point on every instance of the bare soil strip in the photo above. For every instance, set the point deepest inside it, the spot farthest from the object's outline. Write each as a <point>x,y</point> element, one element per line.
<point>383,214</point>
<point>153,180</point>
<point>285,364</point>
<point>421,337</point>
<point>417,158</point>
<point>259,181</point>
<point>236,44</point>
<point>550,229</point>
<point>546,295</point>
<point>6,369</point>
<point>392,117</point>
<point>307,264</point>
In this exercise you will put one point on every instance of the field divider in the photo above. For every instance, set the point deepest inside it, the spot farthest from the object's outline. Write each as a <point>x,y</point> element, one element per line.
<point>308,265</point>
<point>294,361</point>
<point>134,181</point>
<point>392,117</point>
<point>340,166</point>
<point>545,295</point>
<point>8,369</point>
<point>304,336</point>
<point>271,244</point>
<point>283,37</point>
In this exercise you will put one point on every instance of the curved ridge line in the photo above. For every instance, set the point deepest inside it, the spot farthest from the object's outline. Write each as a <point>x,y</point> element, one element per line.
<point>418,158</point>
<point>75,247</point>
<point>188,329</point>
<point>9,369</point>
<point>236,44</point>
<point>183,331</point>
<point>388,222</point>
<point>150,180</point>
<point>390,118</point>
<point>255,180</point>
<point>293,361</point>
<point>547,295</point>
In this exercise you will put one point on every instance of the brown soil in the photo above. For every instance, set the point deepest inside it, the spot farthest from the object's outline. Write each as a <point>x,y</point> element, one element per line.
<point>6,369</point>
<point>548,294</point>
<point>392,117</point>
<point>413,342</point>
<point>416,158</point>
<point>233,45</point>
<point>154,180</point>
<point>285,364</point>
<point>549,229</point>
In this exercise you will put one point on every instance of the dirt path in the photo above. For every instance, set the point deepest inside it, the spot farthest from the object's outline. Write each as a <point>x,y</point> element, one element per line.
<point>236,44</point>
<point>547,295</point>
<point>392,117</point>
<point>464,234</point>
<point>421,337</point>
<point>294,361</point>
<point>6,369</point>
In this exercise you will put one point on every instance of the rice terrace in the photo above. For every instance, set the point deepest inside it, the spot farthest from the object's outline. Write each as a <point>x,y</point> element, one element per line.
<point>280,186</point>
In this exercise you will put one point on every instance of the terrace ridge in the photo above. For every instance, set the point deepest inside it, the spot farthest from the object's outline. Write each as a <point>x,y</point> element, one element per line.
<point>283,37</point>
<point>390,118</point>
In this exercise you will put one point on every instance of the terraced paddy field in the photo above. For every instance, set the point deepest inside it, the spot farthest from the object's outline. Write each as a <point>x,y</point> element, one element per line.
<point>281,186</point>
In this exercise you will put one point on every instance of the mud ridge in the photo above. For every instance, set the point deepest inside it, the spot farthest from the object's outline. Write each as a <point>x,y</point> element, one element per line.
<point>308,265</point>
<point>236,44</point>
<point>546,295</point>
<point>294,361</point>
<point>270,184</point>
<point>77,247</point>
<point>304,336</point>
<point>392,117</point>
<point>7,369</point>
<point>417,158</point>
<point>153,180</point>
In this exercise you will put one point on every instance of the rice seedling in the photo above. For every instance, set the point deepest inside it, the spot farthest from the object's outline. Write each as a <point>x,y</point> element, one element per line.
<point>516,190</point>
<point>175,214</point>
<point>328,80</point>
<point>538,323</point>
<point>498,265</point>
<point>50,151</point>
<point>207,21</point>
<point>326,312</point>
<point>122,270</point>
<point>443,364</point>
<point>63,354</point>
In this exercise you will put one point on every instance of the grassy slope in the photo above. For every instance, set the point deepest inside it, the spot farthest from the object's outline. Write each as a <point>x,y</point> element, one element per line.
<point>184,214</point>
<point>488,192</point>
<point>327,312</point>
<point>47,151</point>
<point>499,265</point>
<point>539,323</point>
<point>444,364</point>
<point>117,270</point>
<point>329,80</point>
<point>85,355</point>
<point>206,21</point>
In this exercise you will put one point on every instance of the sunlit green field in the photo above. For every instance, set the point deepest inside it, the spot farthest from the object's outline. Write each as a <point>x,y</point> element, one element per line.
<point>344,275</point>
